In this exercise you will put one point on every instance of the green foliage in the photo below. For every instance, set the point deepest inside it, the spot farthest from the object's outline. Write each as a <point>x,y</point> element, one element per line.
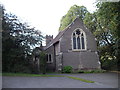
<point>30,75</point>
<point>104,23</point>
<point>91,71</point>
<point>18,40</point>
<point>80,79</point>
<point>67,69</point>
<point>43,58</point>
<point>75,11</point>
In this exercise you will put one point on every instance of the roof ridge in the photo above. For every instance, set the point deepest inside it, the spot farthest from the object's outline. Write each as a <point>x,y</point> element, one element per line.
<point>60,34</point>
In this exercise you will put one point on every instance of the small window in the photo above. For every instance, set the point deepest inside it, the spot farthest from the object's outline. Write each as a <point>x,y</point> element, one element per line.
<point>49,58</point>
<point>78,40</point>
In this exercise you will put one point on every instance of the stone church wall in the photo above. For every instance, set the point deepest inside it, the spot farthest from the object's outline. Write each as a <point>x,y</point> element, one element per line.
<point>79,59</point>
<point>51,66</point>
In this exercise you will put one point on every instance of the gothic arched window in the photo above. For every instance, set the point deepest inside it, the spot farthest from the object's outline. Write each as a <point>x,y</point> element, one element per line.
<point>78,40</point>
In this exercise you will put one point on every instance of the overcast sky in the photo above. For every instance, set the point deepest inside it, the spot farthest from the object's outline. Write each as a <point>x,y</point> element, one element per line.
<point>44,15</point>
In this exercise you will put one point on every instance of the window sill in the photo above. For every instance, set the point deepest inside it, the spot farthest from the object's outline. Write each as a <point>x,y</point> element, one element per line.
<point>79,50</point>
<point>49,62</point>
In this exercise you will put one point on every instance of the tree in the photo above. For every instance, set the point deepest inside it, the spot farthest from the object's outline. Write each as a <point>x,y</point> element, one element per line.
<point>18,41</point>
<point>75,11</point>
<point>43,59</point>
<point>104,24</point>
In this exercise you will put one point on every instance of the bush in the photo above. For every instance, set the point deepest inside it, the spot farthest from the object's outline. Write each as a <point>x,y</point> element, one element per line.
<point>67,69</point>
<point>109,64</point>
<point>43,58</point>
<point>91,71</point>
<point>81,71</point>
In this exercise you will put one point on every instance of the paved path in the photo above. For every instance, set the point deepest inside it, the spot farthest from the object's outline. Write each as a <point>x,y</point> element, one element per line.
<point>110,79</point>
<point>103,80</point>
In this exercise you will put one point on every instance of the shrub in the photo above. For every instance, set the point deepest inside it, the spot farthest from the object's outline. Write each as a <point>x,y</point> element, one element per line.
<point>67,69</point>
<point>43,62</point>
<point>91,71</point>
<point>81,71</point>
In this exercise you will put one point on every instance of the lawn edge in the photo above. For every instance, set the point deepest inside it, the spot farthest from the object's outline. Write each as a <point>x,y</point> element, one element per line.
<point>44,75</point>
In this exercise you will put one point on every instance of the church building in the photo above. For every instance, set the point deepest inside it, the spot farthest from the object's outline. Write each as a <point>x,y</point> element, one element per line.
<point>74,46</point>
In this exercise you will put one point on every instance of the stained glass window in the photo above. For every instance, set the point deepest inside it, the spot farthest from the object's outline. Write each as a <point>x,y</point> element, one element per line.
<point>78,42</point>
<point>78,39</point>
<point>78,32</point>
<point>74,42</point>
<point>83,44</point>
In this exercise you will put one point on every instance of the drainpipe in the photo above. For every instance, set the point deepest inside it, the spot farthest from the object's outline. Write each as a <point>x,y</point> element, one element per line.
<point>54,58</point>
<point>62,60</point>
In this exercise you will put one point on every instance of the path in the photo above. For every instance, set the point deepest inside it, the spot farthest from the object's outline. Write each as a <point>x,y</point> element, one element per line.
<point>103,80</point>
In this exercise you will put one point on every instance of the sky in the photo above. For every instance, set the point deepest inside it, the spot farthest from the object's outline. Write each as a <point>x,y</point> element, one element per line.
<point>44,15</point>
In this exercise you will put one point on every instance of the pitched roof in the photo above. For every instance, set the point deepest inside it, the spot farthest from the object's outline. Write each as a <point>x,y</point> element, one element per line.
<point>55,40</point>
<point>60,34</point>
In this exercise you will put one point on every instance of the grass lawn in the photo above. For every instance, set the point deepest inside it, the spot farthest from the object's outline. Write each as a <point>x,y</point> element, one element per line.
<point>45,75</point>
<point>80,79</point>
<point>30,75</point>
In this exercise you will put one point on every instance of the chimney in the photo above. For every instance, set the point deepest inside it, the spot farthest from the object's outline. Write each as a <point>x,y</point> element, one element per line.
<point>49,38</point>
